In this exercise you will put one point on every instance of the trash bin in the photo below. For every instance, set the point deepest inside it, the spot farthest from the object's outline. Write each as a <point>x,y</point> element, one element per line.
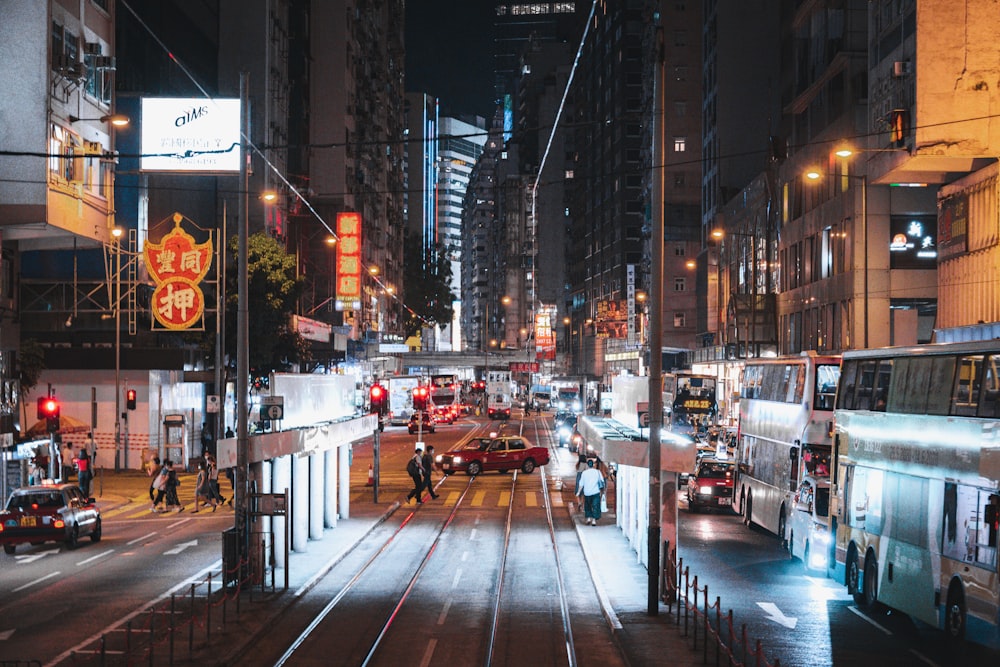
<point>230,557</point>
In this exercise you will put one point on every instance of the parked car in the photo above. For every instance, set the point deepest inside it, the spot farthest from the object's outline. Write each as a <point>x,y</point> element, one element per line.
<point>421,421</point>
<point>49,513</point>
<point>503,453</point>
<point>809,524</point>
<point>711,484</point>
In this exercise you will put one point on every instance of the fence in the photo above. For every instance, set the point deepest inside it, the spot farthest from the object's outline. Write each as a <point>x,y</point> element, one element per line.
<point>716,630</point>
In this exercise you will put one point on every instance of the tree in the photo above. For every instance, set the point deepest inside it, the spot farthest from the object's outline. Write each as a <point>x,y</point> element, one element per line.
<point>272,296</point>
<point>427,292</point>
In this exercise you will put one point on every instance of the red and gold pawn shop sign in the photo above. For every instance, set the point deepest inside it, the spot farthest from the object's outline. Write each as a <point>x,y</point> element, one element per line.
<point>177,265</point>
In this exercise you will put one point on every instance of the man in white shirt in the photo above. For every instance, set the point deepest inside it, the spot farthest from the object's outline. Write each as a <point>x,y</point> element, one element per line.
<point>590,487</point>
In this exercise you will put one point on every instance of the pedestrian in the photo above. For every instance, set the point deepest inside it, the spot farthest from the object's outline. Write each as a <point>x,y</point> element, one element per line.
<point>91,448</point>
<point>427,464</point>
<point>213,479</point>
<point>581,465</point>
<point>67,462</point>
<point>590,487</point>
<point>160,485</point>
<point>207,441</point>
<point>414,468</point>
<point>84,473</point>
<point>172,502</point>
<point>203,488</point>
<point>153,470</point>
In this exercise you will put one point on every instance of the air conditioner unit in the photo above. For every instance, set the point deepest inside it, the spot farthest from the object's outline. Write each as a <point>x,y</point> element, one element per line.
<point>61,61</point>
<point>106,63</point>
<point>902,68</point>
<point>92,48</point>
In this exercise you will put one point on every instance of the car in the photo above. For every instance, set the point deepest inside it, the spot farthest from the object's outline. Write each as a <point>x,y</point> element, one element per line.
<point>444,414</point>
<point>711,484</point>
<point>809,524</point>
<point>420,421</point>
<point>49,513</point>
<point>502,453</point>
<point>561,416</point>
<point>566,429</point>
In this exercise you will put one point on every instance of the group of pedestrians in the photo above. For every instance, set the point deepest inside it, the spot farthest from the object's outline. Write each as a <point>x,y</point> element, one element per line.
<point>163,485</point>
<point>419,468</point>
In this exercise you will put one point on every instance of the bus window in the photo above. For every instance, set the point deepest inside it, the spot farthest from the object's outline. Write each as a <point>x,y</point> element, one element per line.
<point>826,386</point>
<point>848,382</point>
<point>970,525</point>
<point>968,382</point>
<point>865,385</point>
<point>989,404</point>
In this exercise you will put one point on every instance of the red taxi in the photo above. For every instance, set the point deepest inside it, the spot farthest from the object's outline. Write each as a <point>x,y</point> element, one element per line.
<point>509,452</point>
<point>36,514</point>
<point>711,484</point>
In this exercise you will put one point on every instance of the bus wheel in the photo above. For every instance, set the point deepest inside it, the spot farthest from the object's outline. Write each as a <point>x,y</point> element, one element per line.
<point>853,577</point>
<point>954,615</point>
<point>748,515</point>
<point>871,581</point>
<point>781,528</point>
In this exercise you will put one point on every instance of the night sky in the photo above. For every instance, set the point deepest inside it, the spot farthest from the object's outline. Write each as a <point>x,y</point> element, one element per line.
<point>449,53</point>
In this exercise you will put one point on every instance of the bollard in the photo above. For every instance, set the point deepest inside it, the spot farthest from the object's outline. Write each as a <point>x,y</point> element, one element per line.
<point>173,601</point>
<point>208,610</point>
<point>718,628</point>
<point>225,603</point>
<point>743,641</point>
<point>704,654</point>
<point>191,626</point>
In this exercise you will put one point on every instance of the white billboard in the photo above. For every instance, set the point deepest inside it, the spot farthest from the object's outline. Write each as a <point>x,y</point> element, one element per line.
<point>185,134</point>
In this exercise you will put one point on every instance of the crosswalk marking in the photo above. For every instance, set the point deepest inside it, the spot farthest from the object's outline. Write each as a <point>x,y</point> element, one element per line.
<point>504,499</point>
<point>477,498</point>
<point>531,499</point>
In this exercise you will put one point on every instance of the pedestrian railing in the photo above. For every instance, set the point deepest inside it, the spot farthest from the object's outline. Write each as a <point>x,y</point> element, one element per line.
<point>157,634</point>
<point>716,630</point>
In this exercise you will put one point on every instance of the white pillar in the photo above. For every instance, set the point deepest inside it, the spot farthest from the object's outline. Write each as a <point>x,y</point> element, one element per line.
<point>344,481</point>
<point>317,473</point>
<point>281,479</point>
<point>300,502</point>
<point>330,488</point>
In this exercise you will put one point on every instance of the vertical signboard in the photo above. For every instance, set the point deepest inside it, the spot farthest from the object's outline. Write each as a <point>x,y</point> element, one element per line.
<point>348,261</point>
<point>630,301</point>
<point>177,266</point>
<point>545,335</point>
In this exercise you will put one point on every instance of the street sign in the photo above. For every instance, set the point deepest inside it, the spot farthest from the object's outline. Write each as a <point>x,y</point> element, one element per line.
<point>272,407</point>
<point>642,407</point>
<point>211,403</point>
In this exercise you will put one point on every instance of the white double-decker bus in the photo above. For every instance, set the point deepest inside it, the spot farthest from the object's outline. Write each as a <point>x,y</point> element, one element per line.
<point>786,422</point>
<point>916,485</point>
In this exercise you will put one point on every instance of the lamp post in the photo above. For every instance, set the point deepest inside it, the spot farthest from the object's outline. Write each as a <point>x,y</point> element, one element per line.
<point>116,232</point>
<point>814,175</point>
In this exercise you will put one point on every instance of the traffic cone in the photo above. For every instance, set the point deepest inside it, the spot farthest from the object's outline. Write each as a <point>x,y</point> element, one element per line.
<point>371,476</point>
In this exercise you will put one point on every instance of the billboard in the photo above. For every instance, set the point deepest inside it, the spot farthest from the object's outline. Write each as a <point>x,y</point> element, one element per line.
<point>348,261</point>
<point>190,134</point>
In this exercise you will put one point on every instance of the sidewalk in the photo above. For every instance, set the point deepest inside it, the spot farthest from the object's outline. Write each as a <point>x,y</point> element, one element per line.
<point>620,580</point>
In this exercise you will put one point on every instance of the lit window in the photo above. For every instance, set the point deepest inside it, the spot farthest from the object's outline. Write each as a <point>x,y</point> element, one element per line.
<point>680,144</point>
<point>569,174</point>
<point>679,320</point>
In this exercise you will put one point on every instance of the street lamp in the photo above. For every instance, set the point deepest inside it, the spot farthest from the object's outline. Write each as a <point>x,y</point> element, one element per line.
<point>814,175</point>
<point>116,119</point>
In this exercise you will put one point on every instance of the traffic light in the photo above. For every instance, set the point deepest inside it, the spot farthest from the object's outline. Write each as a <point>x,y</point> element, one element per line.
<point>48,409</point>
<point>420,395</point>
<point>376,396</point>
<point>130,399</point>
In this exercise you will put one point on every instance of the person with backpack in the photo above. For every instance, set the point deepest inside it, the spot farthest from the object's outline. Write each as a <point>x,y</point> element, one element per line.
<point>427,465</point>
<point>414,468</point>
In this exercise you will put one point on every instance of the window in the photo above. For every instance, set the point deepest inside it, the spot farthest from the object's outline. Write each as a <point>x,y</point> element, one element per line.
<point>64,146</point>
<point>969,529</point>
<point>680,284</point>
<point>680,144</point>
<point>679,320</point>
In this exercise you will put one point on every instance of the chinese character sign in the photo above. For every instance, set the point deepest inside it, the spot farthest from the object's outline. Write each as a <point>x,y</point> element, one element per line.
<point>178,265</point>
<point>348,261</point>
<point>545,335</point>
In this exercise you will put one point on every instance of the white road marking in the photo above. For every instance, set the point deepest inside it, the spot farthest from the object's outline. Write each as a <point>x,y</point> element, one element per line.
<point>777,615</point>
<point>426,660</point>
<point>93,558</point>
<point>141,539</point>
<point>456,578</point>
<point>923,658</point>
<point>36,581</point>
<point>31,558</point>
<point>444,612</point>
<point>6,634</point>
<point>862,615</point>
<point>472,535</point>
<point>180,547</point>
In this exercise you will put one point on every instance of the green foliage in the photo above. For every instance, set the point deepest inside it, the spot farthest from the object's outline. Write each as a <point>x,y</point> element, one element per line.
<point>30,364</point>
<point>426,279</point>
<point>272,296</point>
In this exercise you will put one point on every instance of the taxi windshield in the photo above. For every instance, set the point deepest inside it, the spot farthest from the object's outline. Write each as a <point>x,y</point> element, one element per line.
<point>715,470</point>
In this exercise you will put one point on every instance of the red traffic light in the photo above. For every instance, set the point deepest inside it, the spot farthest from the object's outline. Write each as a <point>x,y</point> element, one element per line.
<point>130,399</point>
<point>48,407</point>
<point>420,395</point>
<point>377,392</point>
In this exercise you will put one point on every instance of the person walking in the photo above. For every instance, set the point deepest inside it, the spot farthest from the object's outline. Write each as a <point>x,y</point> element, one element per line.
<point>427,464</point>
<point>414,468</point>
<point>84,473</point>
<point>213,478</point>
<point>581,465</point>
<point>91,448</point>
<point>203,488</point>
<point>160,485</point>
<point>67,462</point>
<point>172,501</point>
<point>153,470</point>
<point>590,487</point>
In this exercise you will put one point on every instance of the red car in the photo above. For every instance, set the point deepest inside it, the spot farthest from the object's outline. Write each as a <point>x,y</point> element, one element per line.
<point>711,484</point>
<point>509,452</point>
<point>36,514</point>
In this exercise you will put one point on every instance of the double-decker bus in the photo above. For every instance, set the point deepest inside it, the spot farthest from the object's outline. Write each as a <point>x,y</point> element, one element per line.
<point>692,400</point>
<point>916,485</point>
<point>786,422</point>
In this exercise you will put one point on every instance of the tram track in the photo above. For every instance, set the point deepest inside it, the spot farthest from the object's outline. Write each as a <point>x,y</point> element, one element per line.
<point>393,585</point>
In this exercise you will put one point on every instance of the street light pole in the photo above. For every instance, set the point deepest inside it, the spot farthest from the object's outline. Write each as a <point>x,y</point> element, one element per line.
<point>864,235</point>
<point>117,234</point>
